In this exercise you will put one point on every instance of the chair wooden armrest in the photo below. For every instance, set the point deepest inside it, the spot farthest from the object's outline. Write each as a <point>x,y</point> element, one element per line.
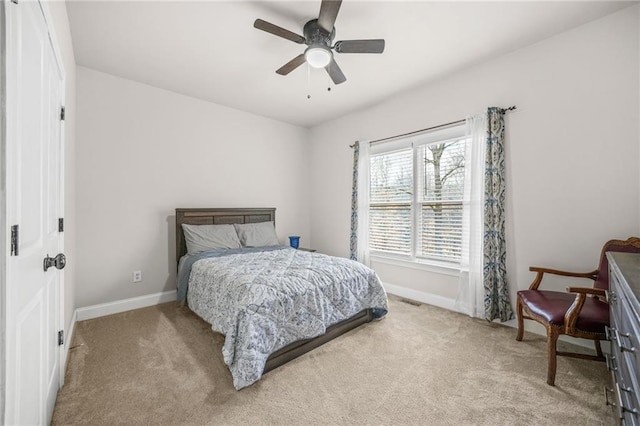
<point>571,317</point>
<point>600,292</point>
<point>593,275</point>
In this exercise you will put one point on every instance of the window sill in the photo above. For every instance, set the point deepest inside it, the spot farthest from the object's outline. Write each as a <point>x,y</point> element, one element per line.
<point>429,266</point>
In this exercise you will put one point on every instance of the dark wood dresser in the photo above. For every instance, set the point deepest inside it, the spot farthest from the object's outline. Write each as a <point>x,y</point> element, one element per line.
<point>624,335</point>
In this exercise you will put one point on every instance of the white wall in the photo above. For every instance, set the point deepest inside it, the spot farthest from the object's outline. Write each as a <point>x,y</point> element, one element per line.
<point>572,149</point>
<point>143,151</point>
<point>63,34</point>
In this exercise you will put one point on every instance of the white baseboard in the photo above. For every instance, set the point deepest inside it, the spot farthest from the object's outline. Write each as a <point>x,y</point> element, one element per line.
<point>420,296</point>
<point>118,306</point>
<point>446,303</point>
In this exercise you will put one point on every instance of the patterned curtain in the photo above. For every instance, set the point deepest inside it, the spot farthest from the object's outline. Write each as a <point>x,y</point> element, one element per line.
<point>354,205</point>
<point>497,303</point>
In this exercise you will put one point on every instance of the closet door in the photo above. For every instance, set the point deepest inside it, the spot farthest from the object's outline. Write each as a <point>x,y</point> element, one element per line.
<point>34,205</point>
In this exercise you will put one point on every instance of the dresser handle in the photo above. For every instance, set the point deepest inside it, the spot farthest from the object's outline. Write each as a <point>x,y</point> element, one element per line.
<point>627,389</point>
<point>606,397</point>
<point>607,391</point>
<point>610,360</point>
<point>624,409</point>
<point>620,345</point>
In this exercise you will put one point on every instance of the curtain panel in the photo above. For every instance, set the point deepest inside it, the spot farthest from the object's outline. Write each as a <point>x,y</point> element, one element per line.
<point>353,242</point>
<point>496,291</point>
<point>470,298</point>
<point>359,242</point>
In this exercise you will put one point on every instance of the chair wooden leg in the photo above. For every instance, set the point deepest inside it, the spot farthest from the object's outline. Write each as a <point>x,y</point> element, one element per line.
<point>599,349</point>
<point>552,339</point>
<point>520,320</point>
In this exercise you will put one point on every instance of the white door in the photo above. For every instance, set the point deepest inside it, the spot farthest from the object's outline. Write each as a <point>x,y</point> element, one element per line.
<point>34,92</point>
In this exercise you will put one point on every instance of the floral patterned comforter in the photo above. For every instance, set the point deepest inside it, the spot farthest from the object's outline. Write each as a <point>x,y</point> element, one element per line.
<point>262,301</point>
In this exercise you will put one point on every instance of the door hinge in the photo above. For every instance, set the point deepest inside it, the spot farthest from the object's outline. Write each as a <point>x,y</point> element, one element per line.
<point>62,113</point>
<point>14,240</point>
<point>61,224</point>
<point>60,337</point>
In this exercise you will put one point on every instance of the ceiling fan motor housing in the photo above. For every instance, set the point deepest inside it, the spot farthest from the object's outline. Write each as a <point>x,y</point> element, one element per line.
<point>314,34</point>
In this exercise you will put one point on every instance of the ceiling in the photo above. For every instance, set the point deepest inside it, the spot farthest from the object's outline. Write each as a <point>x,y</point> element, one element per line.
<point>210,50</point>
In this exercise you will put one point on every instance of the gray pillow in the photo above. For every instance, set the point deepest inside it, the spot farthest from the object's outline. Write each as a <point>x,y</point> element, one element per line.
<point>207,237</point>
<point>257,234</point>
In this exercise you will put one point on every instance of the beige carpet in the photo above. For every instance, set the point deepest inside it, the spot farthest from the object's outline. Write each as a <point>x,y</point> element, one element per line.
<point>419,365</point>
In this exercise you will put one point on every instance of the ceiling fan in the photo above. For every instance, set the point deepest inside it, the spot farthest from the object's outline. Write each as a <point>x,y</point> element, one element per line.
<point>318,35</point>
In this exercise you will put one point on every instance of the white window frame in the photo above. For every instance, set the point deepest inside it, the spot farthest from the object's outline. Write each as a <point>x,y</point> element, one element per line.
<point>449,267</point>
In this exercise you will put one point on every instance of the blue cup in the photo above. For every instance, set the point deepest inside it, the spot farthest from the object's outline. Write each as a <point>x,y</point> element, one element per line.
<point>294,241</point>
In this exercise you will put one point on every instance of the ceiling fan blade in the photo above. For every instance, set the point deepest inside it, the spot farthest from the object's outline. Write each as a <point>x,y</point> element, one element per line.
<point>276,30</point>
<point>359,46</point>
<point>328,14</point>
<point>291,65</point>
<point>335,72</point>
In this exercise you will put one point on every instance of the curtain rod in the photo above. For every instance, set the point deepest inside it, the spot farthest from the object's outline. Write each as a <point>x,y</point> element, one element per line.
<point>511,108</point>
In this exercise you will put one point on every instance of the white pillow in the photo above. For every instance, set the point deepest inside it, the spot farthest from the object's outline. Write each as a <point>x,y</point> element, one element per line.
<point>208,237</point>
<point>257,234</point>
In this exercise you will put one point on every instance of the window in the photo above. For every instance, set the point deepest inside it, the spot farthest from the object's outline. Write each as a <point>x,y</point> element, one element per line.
<point>416,196</point>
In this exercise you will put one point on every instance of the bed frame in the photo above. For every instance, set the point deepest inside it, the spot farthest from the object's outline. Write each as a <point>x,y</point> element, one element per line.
<point>213,216</point>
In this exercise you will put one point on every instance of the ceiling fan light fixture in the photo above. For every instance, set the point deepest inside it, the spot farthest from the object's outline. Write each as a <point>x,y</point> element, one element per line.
<point>318,56</point>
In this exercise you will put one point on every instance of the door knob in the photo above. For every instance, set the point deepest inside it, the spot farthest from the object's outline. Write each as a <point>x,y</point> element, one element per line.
<point>59,261</point>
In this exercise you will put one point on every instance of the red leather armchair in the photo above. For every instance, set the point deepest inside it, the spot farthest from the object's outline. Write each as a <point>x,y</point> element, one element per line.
<point>580,312</point>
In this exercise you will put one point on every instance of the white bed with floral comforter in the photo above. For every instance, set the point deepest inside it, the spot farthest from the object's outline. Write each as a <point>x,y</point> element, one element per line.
<point>264,299</point>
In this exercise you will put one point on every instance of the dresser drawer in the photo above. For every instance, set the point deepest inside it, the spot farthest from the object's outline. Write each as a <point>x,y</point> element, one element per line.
<point>628,389</point>
<point>628,340</point>
<point>623,395</point>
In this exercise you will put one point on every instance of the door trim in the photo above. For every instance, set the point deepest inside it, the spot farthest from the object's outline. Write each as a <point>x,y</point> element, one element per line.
<point>4,237</point>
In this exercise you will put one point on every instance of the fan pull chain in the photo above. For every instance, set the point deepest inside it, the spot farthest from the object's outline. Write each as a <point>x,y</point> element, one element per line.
<point>308,81</point>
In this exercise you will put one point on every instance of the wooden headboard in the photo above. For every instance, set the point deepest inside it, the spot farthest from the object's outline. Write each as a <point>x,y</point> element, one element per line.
<point>217,217</point>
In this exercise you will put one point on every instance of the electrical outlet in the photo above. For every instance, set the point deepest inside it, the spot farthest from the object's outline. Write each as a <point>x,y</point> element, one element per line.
<point>137,276</point>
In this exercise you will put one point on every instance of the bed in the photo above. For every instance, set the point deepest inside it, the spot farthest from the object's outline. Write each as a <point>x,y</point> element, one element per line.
<point>243,292</point>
